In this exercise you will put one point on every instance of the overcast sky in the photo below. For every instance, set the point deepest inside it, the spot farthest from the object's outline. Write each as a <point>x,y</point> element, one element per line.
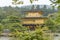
<point>26,2</point>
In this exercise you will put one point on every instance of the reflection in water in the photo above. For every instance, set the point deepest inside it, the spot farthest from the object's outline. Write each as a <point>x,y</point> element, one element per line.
<point>12,38</point>
<point>57,38</point>
<point>6,38</point>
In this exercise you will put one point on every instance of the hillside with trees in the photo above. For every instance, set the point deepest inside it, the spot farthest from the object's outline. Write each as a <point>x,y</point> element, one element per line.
<point>10,18</point>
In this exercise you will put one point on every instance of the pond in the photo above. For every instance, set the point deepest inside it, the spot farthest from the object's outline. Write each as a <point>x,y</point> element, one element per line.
<point>10,38</point>
<point>4,38</point>
<point>7,38</point>
<point>57,36</point>
<point>13,38</point>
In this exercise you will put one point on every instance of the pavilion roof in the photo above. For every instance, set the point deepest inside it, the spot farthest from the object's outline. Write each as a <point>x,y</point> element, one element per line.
<point>47,9</point>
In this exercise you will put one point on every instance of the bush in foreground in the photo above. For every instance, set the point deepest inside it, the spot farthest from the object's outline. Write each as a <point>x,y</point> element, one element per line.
<point>37,34</point>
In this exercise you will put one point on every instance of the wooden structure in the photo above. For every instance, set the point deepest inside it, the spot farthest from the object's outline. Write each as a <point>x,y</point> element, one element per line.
<point>35,15</point>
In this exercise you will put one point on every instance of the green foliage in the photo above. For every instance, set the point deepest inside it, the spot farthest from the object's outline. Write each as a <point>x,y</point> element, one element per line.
<point>16,27</point>
<point>1,27</point>
<point>10,19</point>
<point>31,1</point>
<point>56,2</point>
<point>13,19</point>
<point>13,23</point>
<point>50,24</point>
<point>54,22</point>
<point>21,2</point>
<point>15,2</point>
<point>38,34</point>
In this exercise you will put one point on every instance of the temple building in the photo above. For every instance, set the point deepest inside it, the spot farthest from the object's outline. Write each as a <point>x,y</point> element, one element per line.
<point>36,15</point>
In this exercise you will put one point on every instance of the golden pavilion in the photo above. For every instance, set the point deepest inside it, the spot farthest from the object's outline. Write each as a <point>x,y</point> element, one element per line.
<point>35,15</point>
